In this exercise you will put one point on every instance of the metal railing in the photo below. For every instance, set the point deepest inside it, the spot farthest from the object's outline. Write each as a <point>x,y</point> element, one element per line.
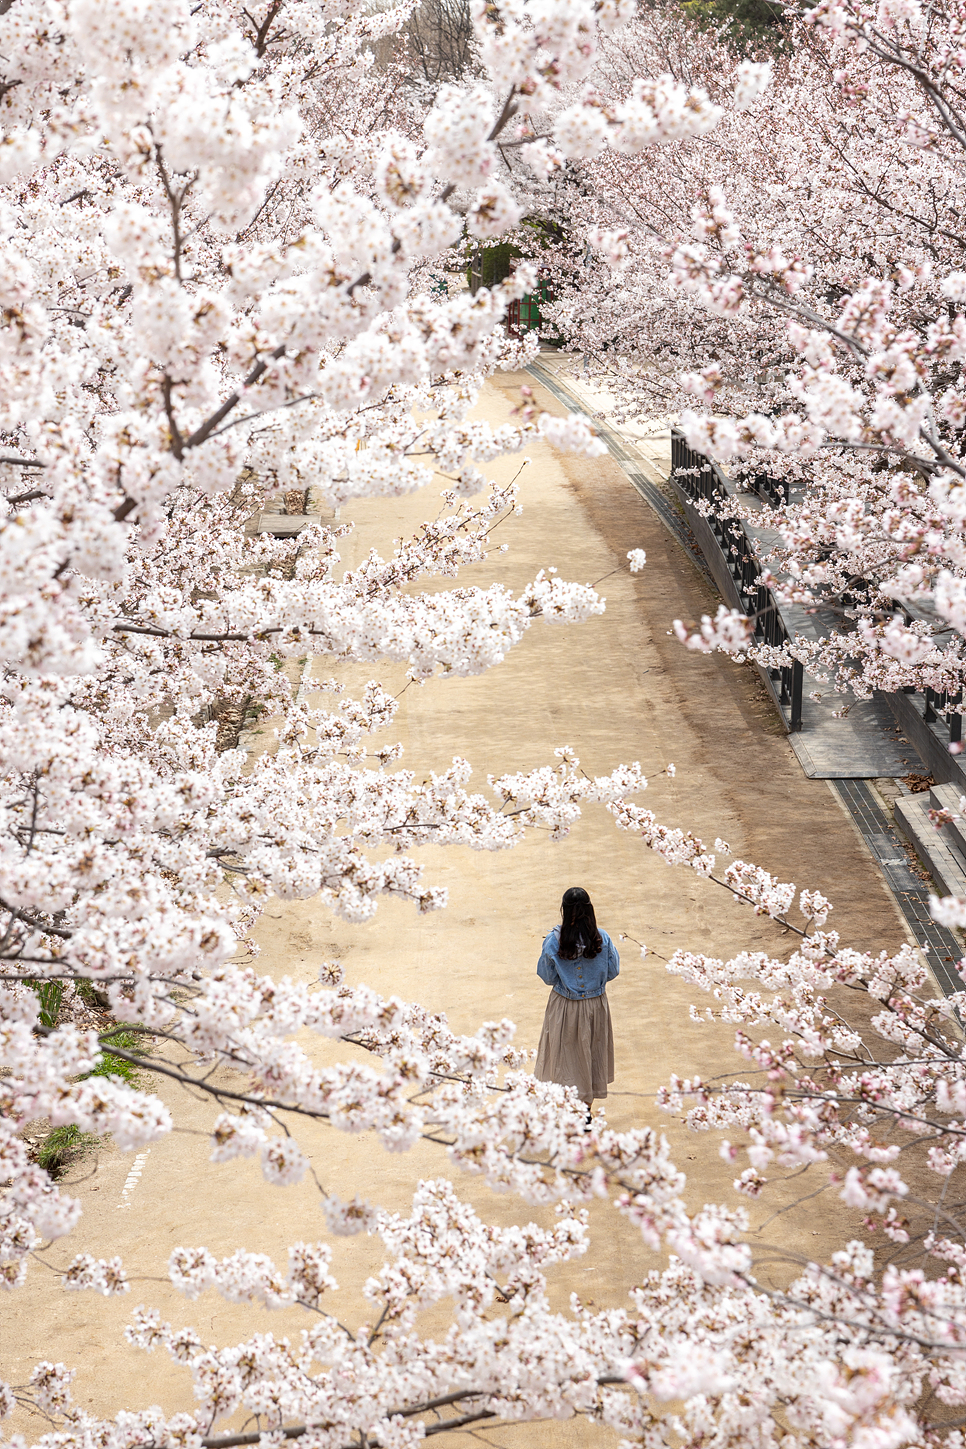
<point>942,703</point>
<point>773,490</point>
<point>703,481</point>
<point>940,707</point>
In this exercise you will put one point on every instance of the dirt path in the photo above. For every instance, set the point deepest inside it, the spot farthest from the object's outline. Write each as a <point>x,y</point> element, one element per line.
<point>618,688</point>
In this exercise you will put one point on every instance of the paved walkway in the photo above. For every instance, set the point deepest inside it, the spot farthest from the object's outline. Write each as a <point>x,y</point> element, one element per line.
<point>853,752</point>
<point>617,688</point>
<point>842,737</point>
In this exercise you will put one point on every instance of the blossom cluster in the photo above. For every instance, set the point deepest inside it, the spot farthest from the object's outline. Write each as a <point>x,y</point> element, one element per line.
<point>798,311</point>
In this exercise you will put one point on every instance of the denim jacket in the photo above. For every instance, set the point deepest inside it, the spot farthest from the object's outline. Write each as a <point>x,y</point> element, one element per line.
<point>585,977</point>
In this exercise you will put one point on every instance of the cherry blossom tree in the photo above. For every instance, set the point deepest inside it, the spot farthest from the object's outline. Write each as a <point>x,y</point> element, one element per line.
<point>218,224</point>
<point>790,288</point>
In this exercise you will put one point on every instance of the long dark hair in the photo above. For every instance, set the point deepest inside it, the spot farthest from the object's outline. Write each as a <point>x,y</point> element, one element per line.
<point>579,935</point>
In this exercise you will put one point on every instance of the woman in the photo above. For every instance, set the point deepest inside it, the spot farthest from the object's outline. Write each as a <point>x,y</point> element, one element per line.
<point>577,1041</point>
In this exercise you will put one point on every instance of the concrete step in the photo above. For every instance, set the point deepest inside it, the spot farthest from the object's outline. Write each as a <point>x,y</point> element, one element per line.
<point>284,525</point>
<point>948,797</point>
<point>940,852</point>
<point>945,797</point>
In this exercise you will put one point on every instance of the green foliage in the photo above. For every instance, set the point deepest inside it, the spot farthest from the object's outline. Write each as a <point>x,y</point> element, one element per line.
<point>62,1147</point>
<point>109,1065</point>
<point>491,265</point>
<point>50,994</point>
<point>545,231</point>
<point>51,997</point>
<point>746,25</point>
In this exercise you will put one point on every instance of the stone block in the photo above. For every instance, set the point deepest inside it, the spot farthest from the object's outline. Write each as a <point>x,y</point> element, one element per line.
<point>285,525</point>
<point>937,849</point>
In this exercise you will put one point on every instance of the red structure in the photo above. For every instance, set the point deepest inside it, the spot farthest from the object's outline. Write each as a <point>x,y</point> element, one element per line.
<point>524,315</point>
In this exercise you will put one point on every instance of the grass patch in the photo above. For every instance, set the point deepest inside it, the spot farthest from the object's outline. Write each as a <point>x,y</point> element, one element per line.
<point>65,1145</point>
<point>62,1147</point>
<point>50,994</point>
<point>109,1065</point>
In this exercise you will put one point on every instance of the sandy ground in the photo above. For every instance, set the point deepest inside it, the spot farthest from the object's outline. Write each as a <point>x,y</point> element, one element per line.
<point>617,688</point>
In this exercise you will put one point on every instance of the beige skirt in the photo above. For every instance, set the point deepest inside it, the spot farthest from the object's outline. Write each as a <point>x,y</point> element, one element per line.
<point>577,1045</point>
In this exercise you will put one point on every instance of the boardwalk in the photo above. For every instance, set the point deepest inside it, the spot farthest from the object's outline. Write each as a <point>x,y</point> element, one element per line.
<point>618,688</point>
